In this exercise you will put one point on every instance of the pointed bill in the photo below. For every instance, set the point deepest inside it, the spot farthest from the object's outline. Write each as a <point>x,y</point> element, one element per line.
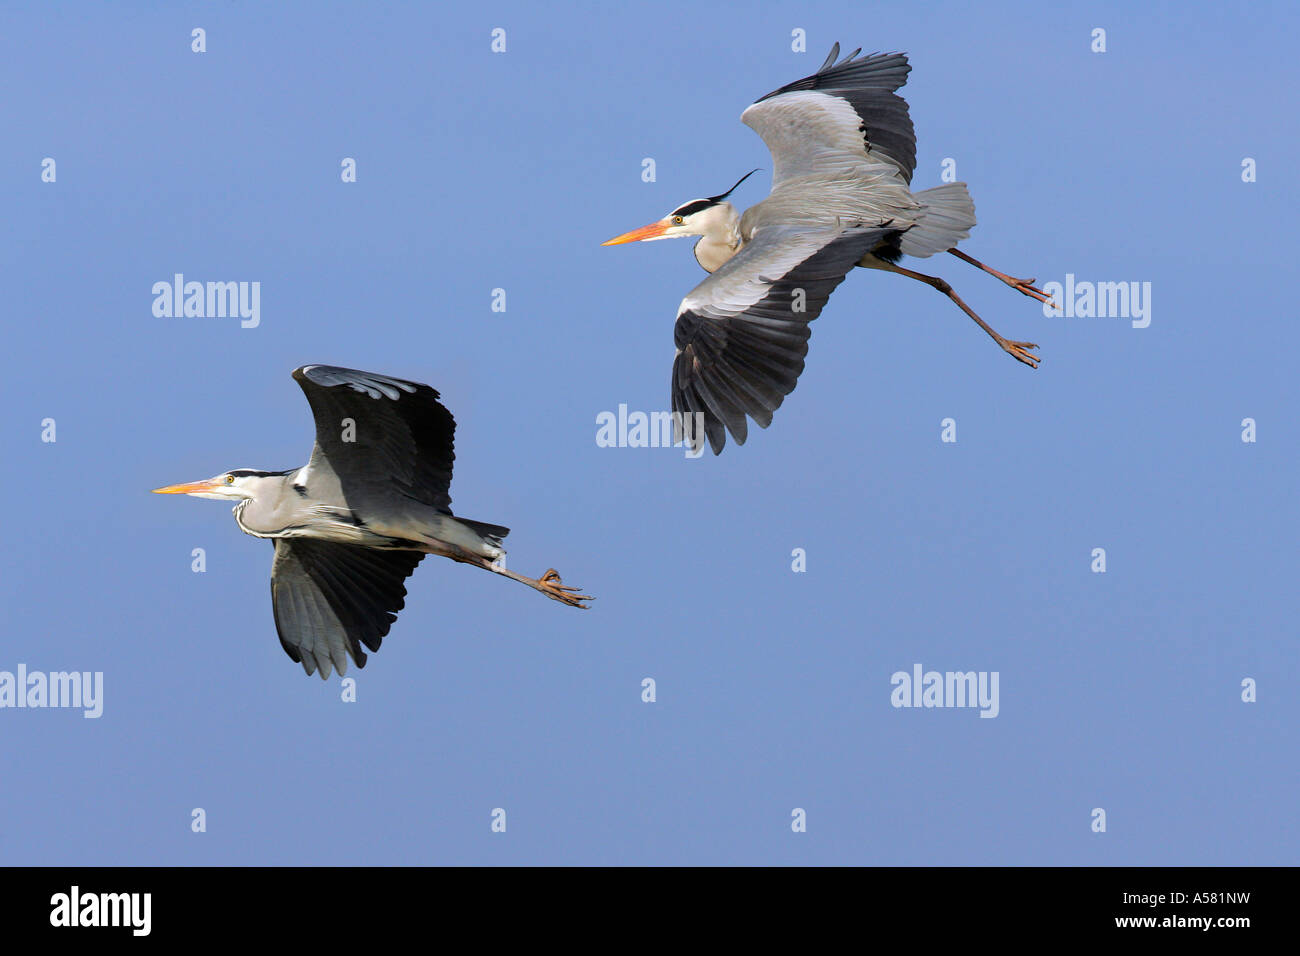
<point>654,230</point>
<point>187,489</point>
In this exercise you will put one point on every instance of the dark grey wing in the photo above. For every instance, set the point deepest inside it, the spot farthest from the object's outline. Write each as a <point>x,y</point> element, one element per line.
<point>402,438</point>
<point>330,599</point>
<point>742,333</point>
<point>802,117</point>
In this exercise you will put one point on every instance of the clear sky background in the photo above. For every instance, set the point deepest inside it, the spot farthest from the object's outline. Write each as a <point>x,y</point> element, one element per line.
<point>479,171</point>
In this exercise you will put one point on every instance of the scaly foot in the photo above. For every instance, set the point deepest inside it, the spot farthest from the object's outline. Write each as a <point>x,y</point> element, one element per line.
<point>551,585</point>
<point>1017,351</point>
<point>1026,286</point>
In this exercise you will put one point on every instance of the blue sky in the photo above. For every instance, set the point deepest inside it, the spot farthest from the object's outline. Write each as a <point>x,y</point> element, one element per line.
<point>478,171</point>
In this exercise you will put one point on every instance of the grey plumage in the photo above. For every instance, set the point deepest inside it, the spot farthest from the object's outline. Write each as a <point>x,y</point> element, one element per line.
<point>844,150</point>
<point>868,84</point>
<point>352,524</point>
<point>332,599</point>
<point>741,337</point>
<point>843,153</point>
<point>404,437</point>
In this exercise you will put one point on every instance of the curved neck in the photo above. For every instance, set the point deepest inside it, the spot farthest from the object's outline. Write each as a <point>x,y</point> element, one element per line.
<point>274,508</point>
<point>719,237</point>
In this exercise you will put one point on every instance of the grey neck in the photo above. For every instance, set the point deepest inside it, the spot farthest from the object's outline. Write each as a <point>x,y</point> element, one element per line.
<point>274,507</point>
<point>712,251</point>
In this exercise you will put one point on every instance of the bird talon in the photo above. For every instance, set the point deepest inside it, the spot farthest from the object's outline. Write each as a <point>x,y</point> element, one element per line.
<point>553,587</point>
<point>1026,287</point>
<point>1017,351</point>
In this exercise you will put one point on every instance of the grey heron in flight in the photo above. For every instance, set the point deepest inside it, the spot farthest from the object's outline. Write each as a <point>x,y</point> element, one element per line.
<point>351,525</point>
<point>843,152</point>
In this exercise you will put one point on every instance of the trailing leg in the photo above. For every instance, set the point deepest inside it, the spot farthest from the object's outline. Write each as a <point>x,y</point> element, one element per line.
<point>1016,350</point>
<point>1025,286</point>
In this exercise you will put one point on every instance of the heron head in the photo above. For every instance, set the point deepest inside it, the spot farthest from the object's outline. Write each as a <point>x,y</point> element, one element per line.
<point>228,486</point>
<point>699,217</point>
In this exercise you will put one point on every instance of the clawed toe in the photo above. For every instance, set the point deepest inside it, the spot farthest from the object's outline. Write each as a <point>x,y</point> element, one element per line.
<point>1017,350</point>
<point>553,587</point>
<point>1027,287</point>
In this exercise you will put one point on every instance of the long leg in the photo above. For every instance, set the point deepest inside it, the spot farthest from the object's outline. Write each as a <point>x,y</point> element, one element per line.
<point>1020,285</point>
<point>1015,349</point>
<point>549,583</point>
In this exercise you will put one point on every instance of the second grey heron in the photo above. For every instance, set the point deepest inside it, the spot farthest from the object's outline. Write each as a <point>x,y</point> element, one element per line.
<point>844,151</point>
<point>352,524</point>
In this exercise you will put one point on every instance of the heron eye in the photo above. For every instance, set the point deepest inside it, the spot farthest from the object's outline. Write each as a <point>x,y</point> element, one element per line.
<point>230,479</point>
<point>677,220</point>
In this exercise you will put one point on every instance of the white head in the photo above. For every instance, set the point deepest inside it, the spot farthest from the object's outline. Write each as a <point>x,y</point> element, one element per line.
<point>234,485</point>
<point>713,217</point>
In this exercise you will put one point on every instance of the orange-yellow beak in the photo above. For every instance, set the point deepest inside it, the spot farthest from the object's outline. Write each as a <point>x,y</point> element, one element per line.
<point>187,489</point>
<point>652,231</point>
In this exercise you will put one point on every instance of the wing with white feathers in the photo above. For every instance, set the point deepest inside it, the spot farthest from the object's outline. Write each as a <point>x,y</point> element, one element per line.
<point>742,333</point>
<point>844,113</point>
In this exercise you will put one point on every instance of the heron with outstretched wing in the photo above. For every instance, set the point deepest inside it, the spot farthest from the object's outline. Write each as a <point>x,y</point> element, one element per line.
<point>351,525</point>
<point>844,151</point>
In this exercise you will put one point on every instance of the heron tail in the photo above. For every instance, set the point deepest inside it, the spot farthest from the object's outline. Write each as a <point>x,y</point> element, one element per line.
<point>491,533</point>
<point>946,218</point>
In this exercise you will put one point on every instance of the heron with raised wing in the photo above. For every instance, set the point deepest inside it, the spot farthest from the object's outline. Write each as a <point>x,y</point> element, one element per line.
<point>843,152</point>
<point>352,524</point>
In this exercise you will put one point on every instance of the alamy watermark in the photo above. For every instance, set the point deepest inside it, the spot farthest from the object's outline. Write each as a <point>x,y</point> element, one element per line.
<point>923,688</point>
<point>38,689</point>
<point>208,300</point>
<point>128,910</point>
<point>1101,300</point>
<point>653,430</point>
